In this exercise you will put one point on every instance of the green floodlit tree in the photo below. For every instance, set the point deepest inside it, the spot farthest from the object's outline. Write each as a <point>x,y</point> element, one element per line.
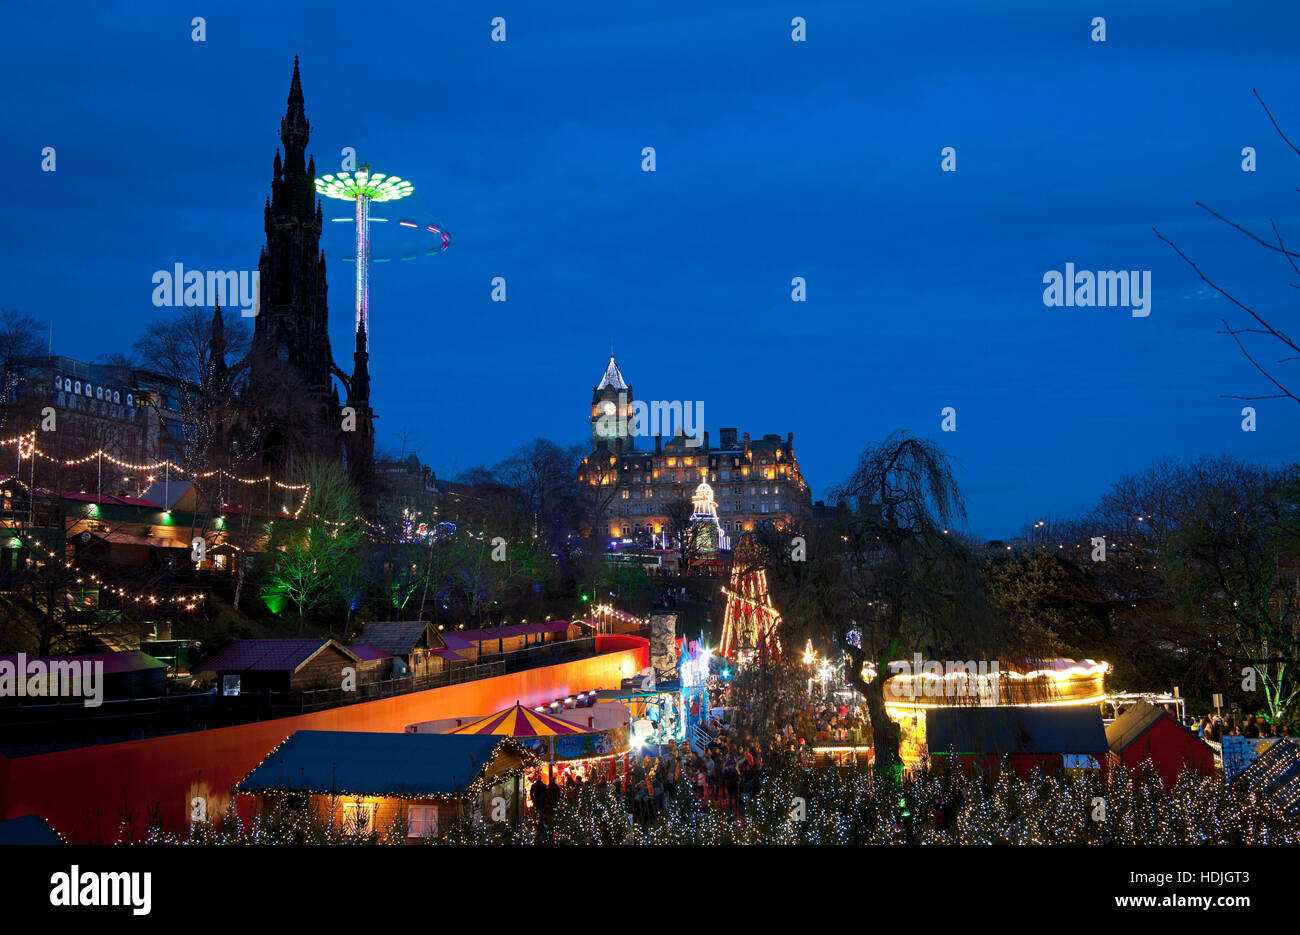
<point>312,555</point>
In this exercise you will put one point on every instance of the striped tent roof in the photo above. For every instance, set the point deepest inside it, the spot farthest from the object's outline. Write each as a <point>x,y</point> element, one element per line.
<point>518,721</point>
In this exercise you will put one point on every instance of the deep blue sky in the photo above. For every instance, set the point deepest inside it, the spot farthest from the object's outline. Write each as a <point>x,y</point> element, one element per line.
<point>775,160</point>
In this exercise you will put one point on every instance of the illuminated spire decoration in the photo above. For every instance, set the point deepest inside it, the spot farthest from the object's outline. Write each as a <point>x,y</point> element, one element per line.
<point>612,377</point>
<point>706,535</point>
<point>750,623</point>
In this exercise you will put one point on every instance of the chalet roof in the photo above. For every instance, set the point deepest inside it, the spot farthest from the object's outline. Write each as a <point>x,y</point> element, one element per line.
<point>277,655</point>
<point>1008,730</point>
<point>399,637</point>
<point>612,377</point>
<point>83,497</point>
<point>368,653</point>
<point>379,764</point>
<point>169,493</point>
<point>110,499</point>
<point>132,660</point>
<point>27,829</point>
<point>114,537</point>
<point>1275,775</point>
<point>1135,722</point>
<point>506,632</point>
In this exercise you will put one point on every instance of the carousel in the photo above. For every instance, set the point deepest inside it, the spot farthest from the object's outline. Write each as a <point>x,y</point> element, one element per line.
<point>572,743</point>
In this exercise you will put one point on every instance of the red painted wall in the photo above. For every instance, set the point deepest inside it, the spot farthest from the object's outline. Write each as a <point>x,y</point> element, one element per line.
<point>1023,763</point>
<point>1172,748</point>
<point>100,794</point>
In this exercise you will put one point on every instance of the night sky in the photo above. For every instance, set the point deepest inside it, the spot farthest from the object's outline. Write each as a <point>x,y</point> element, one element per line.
<point>775,159</point>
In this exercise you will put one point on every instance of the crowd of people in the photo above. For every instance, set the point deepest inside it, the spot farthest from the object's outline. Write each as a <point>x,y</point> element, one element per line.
<point>1214,727</point>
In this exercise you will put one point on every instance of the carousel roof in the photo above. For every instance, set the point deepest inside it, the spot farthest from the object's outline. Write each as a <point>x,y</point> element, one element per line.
<point>518,721</point>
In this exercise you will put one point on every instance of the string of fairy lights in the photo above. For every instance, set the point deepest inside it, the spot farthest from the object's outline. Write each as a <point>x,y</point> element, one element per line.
<point>849,807</point>
<point>188,602</point>
<point>28,451</point>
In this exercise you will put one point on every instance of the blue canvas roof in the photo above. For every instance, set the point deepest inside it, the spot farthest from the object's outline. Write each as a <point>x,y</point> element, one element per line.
<point>378,764</point>
<point>27,829</point>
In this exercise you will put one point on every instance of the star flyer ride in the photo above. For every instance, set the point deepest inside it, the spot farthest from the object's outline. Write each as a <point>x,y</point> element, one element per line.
<point>361,188</point>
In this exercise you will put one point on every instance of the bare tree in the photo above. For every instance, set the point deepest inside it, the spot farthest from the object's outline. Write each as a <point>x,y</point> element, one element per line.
<point>19,339</point>
<point>885,576</point>
<point>1260,331</point>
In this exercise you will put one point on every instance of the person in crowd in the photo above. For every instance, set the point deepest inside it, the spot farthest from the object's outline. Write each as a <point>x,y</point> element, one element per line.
<point>730,781</point>
<point>671,773</point>
<point>537,796</point>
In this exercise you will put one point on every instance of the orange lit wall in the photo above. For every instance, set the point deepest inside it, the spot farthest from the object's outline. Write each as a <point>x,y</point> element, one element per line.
<point>96,795</point>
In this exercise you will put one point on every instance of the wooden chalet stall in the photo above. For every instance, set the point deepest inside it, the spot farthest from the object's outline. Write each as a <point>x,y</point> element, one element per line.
<point>473,645</point>
<point>414,645</point>
<point>375,664</point>
<point>126,674</point>
<point>282,665</point>
<point>1146,731</point>
<point>365,782</point>
<point>1050,739</point>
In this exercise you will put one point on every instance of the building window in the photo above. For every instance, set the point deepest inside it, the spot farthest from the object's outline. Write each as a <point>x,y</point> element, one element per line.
<point>423,822</point>
<point>117,396</point>
<point>230,685</point>
<point>359,817</point>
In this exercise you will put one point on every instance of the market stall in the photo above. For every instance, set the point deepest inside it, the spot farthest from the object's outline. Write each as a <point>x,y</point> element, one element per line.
<point>572,743</point>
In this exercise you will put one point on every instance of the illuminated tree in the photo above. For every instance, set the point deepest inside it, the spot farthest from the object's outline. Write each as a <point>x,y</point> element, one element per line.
<point>313,554</point>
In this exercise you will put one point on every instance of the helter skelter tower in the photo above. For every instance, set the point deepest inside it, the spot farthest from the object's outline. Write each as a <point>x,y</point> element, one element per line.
<point>750,624</point>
